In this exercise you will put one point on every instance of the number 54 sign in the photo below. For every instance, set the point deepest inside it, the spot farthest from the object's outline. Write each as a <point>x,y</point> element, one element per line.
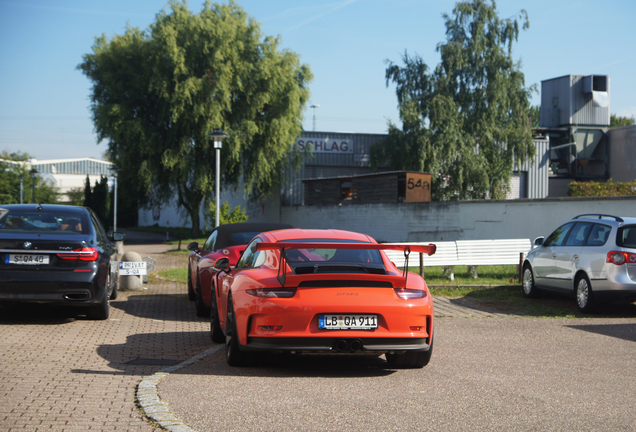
<point>418,187</point>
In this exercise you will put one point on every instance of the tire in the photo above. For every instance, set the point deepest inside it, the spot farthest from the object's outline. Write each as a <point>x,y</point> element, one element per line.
<point>410,359</point>
<point>115,291</point>
<point>201,308</point>
<point>233,354</point>
<point>216,334</point>
<point>100,311</point>
<point>191,294</point>
<point>584,295</point>
<point>529,288</point>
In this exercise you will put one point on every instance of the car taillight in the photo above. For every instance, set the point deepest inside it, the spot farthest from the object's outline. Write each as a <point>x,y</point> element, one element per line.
<point>408,294</point>
<point>273,292</point>
<point>620,258</point>
<point>85,254</point>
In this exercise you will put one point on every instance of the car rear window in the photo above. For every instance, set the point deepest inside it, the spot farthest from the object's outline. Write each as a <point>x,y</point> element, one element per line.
<point>42,221</point>
<point>626,236</point>
<point>332,255</point>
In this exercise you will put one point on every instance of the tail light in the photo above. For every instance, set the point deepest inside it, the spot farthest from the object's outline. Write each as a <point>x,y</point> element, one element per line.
<point>620,257</point>
<point>273,292</point>
<point>409,294</point>
<point>84,254</point>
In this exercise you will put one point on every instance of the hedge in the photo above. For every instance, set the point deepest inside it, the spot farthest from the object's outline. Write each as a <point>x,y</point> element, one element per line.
<point>597,189</point>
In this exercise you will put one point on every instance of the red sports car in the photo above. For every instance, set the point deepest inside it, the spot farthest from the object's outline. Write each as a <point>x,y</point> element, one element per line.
<point>323,291</point>
<point>228,241</point>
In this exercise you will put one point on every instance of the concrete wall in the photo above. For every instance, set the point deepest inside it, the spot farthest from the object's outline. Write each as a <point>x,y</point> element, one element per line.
<point>455,220</point>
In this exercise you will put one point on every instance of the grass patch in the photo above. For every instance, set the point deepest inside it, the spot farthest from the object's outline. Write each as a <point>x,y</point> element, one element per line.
<point>179,274</point>
<point>486,275</point>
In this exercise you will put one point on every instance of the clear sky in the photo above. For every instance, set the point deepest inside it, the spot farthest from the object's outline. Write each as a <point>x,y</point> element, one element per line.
<point>44,99</point>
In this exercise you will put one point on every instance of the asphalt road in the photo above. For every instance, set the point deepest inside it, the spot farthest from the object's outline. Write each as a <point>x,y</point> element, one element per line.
<point>486,374</point>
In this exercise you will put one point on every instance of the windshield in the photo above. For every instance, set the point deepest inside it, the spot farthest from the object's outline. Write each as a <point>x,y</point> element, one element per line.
<point>42,221</point>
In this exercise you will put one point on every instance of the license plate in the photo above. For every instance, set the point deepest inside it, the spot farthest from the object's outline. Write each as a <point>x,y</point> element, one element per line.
<point>26,259</point>
<point>348,322</point>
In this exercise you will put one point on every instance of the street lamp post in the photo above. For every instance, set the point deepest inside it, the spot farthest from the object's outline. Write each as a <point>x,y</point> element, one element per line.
<point>21,187</point>
<point>115,169</point>
<point>314,107</point>
<point>33,172</point>
<point>218,136</point>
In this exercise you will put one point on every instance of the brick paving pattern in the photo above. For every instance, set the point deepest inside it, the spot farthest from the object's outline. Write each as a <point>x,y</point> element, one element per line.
<point>72,374</point>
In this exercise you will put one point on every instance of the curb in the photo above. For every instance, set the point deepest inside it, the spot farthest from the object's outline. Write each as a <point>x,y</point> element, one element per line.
<point>148,396</point>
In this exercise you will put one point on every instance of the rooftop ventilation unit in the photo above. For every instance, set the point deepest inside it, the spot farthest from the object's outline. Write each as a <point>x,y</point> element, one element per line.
<point>575,100</point>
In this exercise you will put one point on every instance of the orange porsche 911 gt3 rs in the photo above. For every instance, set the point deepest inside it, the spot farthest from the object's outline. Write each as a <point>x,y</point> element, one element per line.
<point>325,292</point>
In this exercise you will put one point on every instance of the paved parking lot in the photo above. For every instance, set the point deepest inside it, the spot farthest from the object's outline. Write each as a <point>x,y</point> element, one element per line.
<point>489,371</point>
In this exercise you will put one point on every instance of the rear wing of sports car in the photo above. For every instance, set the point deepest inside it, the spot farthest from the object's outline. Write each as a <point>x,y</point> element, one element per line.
<point>282,246</point>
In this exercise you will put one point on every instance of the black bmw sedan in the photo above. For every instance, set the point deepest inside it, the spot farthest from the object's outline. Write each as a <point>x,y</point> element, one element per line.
<point>57,254</point>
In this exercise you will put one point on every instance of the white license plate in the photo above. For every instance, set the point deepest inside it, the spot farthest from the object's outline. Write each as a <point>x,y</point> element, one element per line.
<point>348,322</point>
<point>26,259</point>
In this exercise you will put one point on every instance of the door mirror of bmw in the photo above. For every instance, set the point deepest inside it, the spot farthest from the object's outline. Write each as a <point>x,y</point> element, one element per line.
<point>117,236</point>
<point>193,246</point>
<point>221,264</point>
<point>538,241</point>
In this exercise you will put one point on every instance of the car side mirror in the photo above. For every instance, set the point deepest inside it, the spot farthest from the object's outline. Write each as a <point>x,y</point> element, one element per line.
<point>193,246</point>
<point>117,236</point>
<point>221,264</point>
<point>539,241</point>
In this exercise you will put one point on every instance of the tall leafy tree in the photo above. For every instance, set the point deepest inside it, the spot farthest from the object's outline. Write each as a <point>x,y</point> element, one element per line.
<point>618,121</point>
<point>467,121</point>
<point>158,93</point>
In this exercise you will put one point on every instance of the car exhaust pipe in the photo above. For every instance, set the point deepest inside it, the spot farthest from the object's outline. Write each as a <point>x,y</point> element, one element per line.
<point>76,296</point>
<point>342,345</point>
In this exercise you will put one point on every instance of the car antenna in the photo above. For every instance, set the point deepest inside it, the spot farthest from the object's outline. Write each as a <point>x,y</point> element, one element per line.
<point>38,207</point>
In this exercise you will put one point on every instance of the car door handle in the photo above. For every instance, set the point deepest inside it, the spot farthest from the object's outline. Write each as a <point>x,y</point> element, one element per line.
<point>554,255</point>
<point>575,257</point>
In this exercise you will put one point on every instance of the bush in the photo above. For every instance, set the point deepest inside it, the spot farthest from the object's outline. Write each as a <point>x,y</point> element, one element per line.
<point>597,189</point>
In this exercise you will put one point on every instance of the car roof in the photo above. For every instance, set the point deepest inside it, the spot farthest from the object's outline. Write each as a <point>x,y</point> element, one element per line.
<point>317,234</point>
<point>44,207</point>
<point>605,218</point>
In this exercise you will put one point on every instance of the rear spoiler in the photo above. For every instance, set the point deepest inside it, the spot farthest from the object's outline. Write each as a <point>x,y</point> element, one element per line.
<point>282,269</point>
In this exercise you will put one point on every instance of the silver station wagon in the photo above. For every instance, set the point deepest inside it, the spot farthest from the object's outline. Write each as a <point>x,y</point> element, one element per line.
<point>592,256</point>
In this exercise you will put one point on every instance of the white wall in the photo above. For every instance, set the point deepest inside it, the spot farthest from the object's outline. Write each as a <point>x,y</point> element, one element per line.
<point>169,215</point>
<point>455,220</point>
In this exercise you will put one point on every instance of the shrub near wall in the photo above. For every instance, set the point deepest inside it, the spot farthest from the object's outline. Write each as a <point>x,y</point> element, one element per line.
<point>596,189</point>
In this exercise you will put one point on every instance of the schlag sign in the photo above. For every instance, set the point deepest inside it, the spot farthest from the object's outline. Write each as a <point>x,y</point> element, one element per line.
<point>325,145</point>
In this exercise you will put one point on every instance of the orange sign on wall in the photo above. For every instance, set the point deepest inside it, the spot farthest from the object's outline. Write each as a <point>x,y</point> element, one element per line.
<point>418,187</point>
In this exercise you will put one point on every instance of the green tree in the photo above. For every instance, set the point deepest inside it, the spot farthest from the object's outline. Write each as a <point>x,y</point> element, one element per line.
<point>535,116</point>
<point>618,121</point>
<point>10,181</point>
<point>227,214</point>
<point>76,196</point>
<point>101,199</point>
<point>466,122</point>
<point>88,193</point>
<point>158,93</point>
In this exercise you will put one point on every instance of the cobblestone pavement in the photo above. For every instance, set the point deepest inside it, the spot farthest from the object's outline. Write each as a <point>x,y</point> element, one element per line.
<point>65,373</point>
<point>71,374</point>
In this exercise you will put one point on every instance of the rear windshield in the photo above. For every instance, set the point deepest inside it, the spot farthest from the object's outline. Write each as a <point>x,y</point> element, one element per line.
<point>626,236</point>
<point>331,255</point>
<point>42,221</point>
